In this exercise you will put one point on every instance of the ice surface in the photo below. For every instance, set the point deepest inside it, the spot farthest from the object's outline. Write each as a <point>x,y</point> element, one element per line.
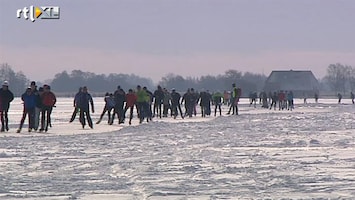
<point>261,154</point>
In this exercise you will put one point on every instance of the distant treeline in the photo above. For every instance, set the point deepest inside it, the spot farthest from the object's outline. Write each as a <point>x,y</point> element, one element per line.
<point>64,82</point>
<point>98,83</point>
<point>339,78</point>
<point>247,81</point>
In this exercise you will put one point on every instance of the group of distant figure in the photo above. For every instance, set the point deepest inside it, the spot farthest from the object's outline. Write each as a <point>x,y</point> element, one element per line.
<point>39,103</point>
<point>284,99</point>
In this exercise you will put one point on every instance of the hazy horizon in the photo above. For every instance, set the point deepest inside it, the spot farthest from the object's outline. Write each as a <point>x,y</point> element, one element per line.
<point>188,38</point>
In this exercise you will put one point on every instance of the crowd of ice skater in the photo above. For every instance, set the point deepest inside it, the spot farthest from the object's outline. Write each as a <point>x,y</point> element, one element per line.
<point>160,103</point>
<point>36,102</point>
<point>284,100</point>
<point>39,102</point>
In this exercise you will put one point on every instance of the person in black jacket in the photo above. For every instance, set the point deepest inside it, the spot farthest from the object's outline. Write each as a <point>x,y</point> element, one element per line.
<point>6,96</point>
<point>84,100</point>
<point>37,111</point>
<point>120,98</point>
<point>75,104</point>
<point>175,104</point>
<point>339,98</point>
<point>274,99</point>
<point>190,101</point>
<point>158,100</point>
<point>109,106</point>
<point>204,99</point>
<point>39,105</point>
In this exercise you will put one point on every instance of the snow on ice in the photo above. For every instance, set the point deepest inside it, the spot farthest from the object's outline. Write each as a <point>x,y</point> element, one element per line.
<point>261,154</point>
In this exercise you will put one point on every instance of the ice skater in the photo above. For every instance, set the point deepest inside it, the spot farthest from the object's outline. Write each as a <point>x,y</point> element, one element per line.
<point>149,102</point>
<point>166,103</point>
<point>158,101</point>
<point>282,99</point>
<point>290,100</point>
<point>304,98</point>
<point>37,111</point>
<point>175,104</point>
<point>109,106</point>
<point>316,96</point>
<point>217,100</point>
<point>76,104</point>
<point>29,104</point>
<point>189,101</point>
<point>339,98</point>
<point>85,100</point>
<point>204,103</point>
<point>234,100</point>
<point>48,101</point>
<point>143,99</point>
<point>264,99</point>
<point>274,99</point>
<point>131,100</point>
<point>120,98</point>
<point>252,97</point>
<point>6,97</point>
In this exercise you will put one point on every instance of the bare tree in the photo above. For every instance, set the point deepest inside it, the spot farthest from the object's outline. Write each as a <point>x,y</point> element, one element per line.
<point>351,78</point>
<point>337,77</point>
<point>17,80</point>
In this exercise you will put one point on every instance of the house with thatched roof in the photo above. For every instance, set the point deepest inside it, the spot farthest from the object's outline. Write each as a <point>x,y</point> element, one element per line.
<point>299,82</point>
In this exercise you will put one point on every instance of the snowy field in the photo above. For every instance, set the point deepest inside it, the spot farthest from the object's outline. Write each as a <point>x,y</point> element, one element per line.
<point>261,154</point>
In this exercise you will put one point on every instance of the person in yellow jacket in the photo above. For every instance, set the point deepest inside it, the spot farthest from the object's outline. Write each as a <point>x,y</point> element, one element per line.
<point>143,99</point>
<point>236,94</point>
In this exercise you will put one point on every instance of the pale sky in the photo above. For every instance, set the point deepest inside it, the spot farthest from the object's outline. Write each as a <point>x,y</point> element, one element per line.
<point>152,38</point>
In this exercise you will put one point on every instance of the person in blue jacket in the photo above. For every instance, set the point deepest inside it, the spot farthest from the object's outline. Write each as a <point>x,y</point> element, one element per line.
<point>29,104</point>
<point>290,100</point>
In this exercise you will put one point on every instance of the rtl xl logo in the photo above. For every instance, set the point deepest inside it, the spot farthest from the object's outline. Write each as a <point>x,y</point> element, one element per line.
<point>42,12</point>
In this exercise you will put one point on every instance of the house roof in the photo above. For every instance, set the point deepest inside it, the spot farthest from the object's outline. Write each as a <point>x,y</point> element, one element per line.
<point>291,80</point>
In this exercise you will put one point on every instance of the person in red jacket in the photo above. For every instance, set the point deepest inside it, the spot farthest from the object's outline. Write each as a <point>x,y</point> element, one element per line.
<point>282,98</point>
<point>131,99</point>
<point>48,101</point>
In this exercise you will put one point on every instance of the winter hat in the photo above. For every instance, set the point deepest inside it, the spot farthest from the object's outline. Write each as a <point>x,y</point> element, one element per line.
<point>5,83</point>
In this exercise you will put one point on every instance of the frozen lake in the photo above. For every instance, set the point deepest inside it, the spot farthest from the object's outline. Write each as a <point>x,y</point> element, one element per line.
<point>261,154</point>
